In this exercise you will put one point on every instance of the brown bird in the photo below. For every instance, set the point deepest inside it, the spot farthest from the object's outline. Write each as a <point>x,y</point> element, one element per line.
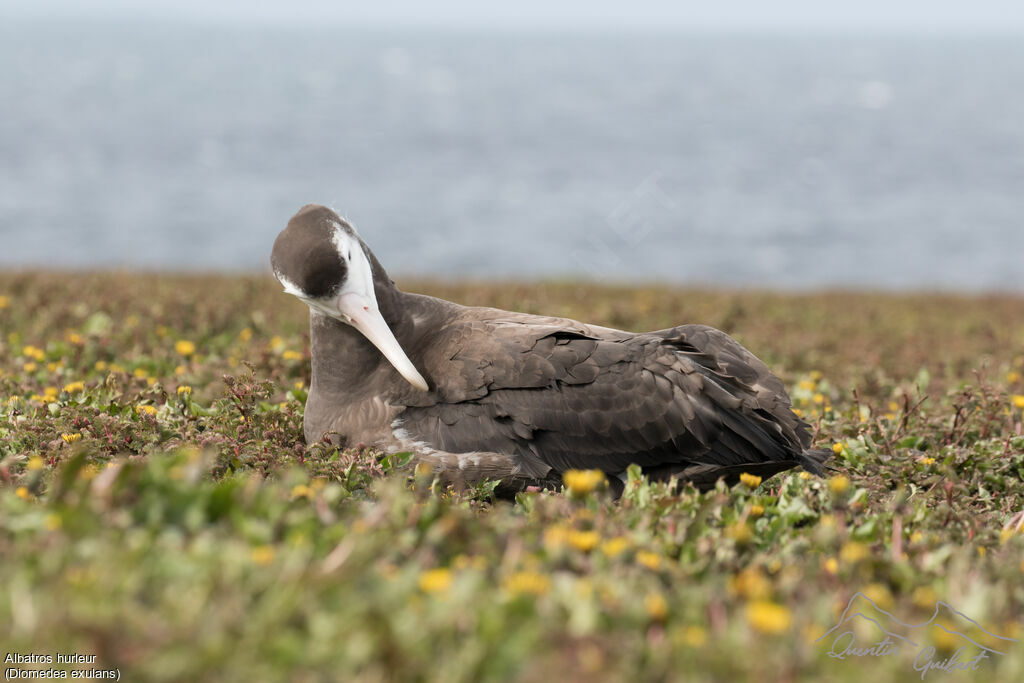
<point>481,393</point>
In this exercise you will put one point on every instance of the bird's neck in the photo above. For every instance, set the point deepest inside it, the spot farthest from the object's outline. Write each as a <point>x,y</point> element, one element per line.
<point>344,362</point>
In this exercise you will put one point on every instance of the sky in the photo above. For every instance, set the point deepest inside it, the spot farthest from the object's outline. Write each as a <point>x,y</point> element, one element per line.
<point>942,16</point>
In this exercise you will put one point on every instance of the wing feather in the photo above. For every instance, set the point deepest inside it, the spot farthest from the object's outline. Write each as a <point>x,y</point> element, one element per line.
<point>565,396</point>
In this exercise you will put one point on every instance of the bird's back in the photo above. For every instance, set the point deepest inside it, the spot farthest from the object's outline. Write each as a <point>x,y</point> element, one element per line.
<point>556,394</point>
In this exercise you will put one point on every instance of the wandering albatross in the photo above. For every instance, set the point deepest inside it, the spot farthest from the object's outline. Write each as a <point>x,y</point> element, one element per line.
<point>480,393</point>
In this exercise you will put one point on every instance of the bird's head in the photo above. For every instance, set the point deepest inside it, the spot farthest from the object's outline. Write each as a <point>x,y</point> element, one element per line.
<point>320,259</point>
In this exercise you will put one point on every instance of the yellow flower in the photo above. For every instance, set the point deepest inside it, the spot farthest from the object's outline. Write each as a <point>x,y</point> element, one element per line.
<point>853,552</point>
<point>52,367</point>
<point>75,338</point>
<point>769,617</point>
<point>34,463</point>
<point>22,492</point>
<point>805,475</point>
<point>924,597</point>
<point>30,367</point>
<point>302,491</point>
<point>276,344</point>
<point>879,594</point>
<point>582,482</point>
<point>916,537</point>
<point>739,532</point>
<point>1012,377</point>
<point>832,565</point>
<point>436,580</point>
<point>694,636</point>
<point>184,390</point>
<point>140,373</point>
<point>555,537</point>
<point>71,438</point>
<point>184,347</point>
<point>114,367</point>
<point>147,409</point>
<point>798,412</point>
<point>648,559</point>
<point>584,541</point>
<point>527,582</point>
<point>179,370</point>
<point>756,511</point>
<point>291,355</point>
<point>837,448</point>
<point>751,481</point>
<point>5,301</point>
<point>1018,401</point>
<point>839,484</point>
<point>806,385</point>
<point>74,387</point>
<point>925,460</point>
<point>245,335</point>
<point>656,606</point>
<point>819,399</point>
<point>34,352</point>
<point>262,555</point>
<point>750,583</point>
<point>53,521</point>
<point>614,547</point>
<point>816,375</point>
<point>50,392</point>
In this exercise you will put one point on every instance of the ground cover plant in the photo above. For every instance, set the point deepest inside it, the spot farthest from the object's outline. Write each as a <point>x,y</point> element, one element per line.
<point>159,509</point>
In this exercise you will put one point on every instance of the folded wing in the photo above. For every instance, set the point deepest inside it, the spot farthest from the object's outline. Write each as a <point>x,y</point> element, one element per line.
<point>689,401</point>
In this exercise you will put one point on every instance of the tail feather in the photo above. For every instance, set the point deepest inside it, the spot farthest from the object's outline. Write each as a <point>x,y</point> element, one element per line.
<point>814,461</point>
<point>705,475</point>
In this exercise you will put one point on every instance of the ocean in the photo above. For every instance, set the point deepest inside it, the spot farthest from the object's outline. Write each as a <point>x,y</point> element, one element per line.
<point>892,162</point>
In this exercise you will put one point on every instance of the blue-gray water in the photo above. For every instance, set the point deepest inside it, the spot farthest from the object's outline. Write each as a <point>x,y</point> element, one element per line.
<point>779,161</point>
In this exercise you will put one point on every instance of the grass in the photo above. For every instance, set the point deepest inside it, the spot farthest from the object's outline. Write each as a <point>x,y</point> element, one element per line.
<point>159,509</point>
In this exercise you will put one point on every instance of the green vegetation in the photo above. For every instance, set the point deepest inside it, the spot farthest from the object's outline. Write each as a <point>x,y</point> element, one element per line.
<point>159,509</point>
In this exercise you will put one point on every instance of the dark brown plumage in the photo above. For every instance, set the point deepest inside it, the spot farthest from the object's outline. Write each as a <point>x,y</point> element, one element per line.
<point>524,398</point>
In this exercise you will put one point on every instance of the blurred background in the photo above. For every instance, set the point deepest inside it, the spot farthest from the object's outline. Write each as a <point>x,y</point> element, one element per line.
<point>786,145</point>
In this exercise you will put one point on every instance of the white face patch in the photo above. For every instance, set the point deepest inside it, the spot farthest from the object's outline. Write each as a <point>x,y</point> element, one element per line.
<point>360,274</point>
<point>359,278</point>
<point>289,286</point>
